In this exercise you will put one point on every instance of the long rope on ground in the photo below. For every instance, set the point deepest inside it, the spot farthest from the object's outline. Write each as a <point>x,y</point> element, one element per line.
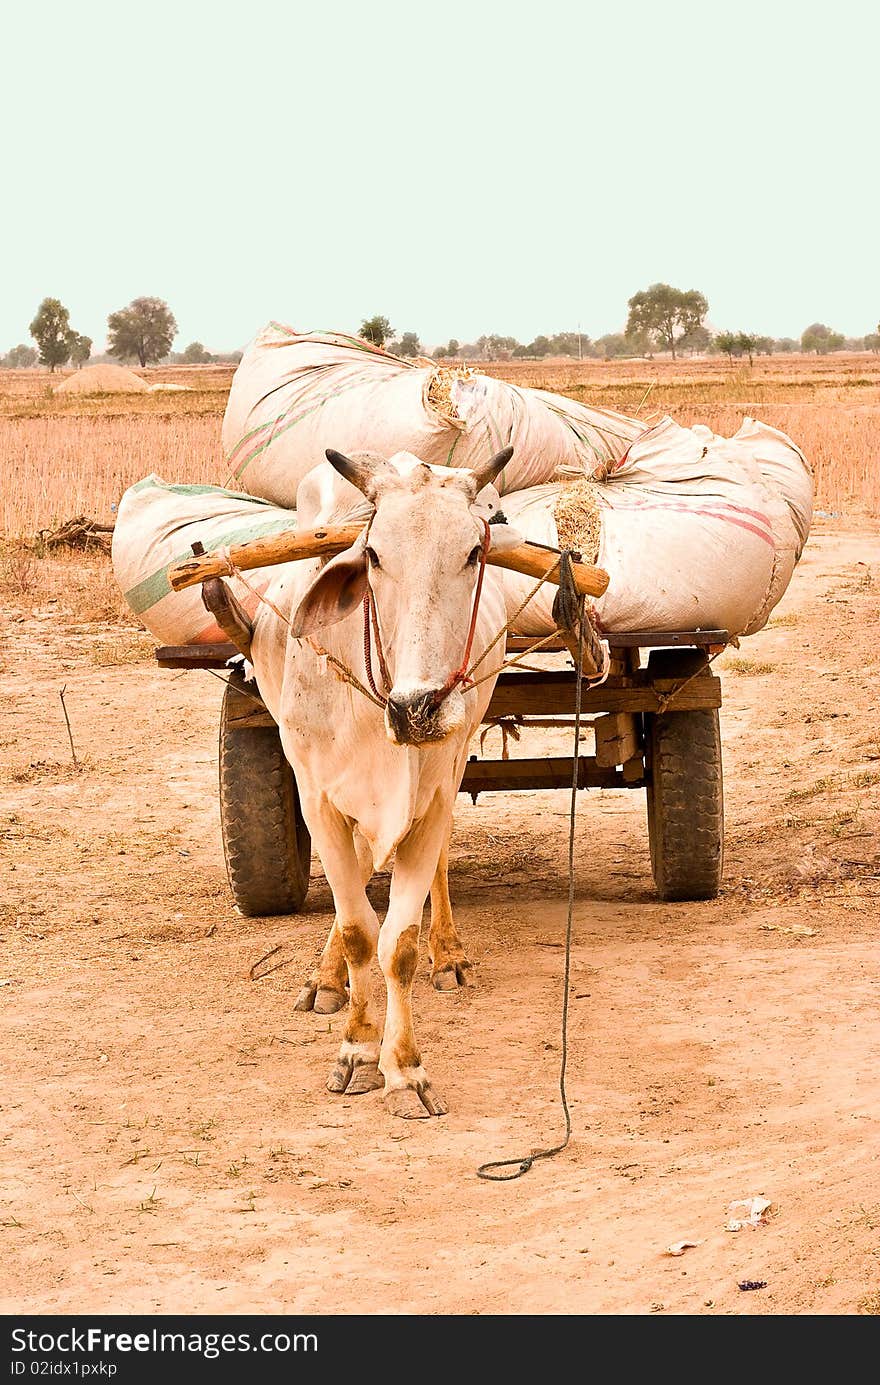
<point>491,1171</point>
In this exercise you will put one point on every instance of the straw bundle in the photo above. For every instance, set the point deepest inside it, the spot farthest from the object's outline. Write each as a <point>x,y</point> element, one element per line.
<point>438,395</point>
<point>578,520</point>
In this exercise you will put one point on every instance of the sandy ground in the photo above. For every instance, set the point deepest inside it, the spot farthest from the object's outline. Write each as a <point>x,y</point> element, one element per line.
<point>167,1143</point>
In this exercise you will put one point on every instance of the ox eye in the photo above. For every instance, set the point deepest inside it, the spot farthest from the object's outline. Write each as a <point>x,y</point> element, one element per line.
<point>474,555</point>
<point>373,557</point>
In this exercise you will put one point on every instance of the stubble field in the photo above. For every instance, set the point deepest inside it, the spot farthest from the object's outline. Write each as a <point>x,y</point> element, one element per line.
<point>66,455</point>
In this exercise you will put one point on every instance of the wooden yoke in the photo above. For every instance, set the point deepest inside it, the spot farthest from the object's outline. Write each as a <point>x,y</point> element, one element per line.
<point>531,559</point>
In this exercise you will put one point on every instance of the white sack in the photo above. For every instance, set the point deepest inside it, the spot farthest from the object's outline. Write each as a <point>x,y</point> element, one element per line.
<point>294,395</point>
<point>156,526</point>
<point>695,533</point>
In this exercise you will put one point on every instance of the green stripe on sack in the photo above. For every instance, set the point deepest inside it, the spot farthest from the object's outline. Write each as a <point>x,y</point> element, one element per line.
<point>154,588</point>
<point>455,443</point>
<point>301,389</point>
<point>154,483</point>
<point>277,432</point>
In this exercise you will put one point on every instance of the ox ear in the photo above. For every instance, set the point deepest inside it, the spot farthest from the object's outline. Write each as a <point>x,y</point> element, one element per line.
<point>335,593</point>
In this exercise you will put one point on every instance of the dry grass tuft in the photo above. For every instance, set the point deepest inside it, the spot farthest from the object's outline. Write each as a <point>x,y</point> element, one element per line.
<point>49,771</point>
<point>748,667</point>
<point>76,586</point>
<point>131,648</point>
<point>20,575</point>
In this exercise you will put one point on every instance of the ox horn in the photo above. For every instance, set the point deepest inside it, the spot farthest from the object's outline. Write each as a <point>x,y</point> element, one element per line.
<point>486,472</point>
<point>363,470</point>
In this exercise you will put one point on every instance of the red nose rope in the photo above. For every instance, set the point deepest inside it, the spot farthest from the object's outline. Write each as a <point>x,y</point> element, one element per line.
<point>460,676</point>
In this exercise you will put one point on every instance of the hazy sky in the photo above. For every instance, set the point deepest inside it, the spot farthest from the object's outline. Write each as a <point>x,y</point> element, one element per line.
<point>461,167</point>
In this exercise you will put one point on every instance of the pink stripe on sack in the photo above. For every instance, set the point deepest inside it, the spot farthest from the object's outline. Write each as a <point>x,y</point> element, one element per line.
<point>735,513</point>
<point>703,513</point>
<point>698,506</point>
<point>249,438</point>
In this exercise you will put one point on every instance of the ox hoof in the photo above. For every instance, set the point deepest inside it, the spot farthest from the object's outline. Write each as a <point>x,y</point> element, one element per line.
<point>411,1103</point>
<point>306,998</point>
<point>452,977</point>
<point>329,1000</point>
<point>324,1000</point>
<point>354,1076</point>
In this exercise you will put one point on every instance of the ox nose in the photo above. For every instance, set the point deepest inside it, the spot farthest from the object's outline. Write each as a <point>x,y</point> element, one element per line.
<point>412,715</point>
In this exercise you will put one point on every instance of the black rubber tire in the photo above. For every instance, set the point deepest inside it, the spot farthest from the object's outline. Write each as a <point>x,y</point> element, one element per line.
<point>265,840</point>
<point>685,790</point>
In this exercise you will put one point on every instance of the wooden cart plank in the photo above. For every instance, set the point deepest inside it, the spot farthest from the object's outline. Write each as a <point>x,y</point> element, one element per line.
<point>665,639</point>
<point>195,655</point>
<point>518,644</point>
<point>550,693</point>
<point>506,776</point>
<point>630,639</point>
<point>553,692</point>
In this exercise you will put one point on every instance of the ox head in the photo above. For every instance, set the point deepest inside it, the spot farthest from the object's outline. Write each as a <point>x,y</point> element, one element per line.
<point>420,556</point>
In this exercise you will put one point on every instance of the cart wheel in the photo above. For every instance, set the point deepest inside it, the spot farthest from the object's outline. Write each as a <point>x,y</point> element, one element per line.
<point>685,790</point>
<point>265,840</point>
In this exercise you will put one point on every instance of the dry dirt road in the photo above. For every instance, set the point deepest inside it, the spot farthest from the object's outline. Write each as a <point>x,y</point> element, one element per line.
<point>167,1143</point>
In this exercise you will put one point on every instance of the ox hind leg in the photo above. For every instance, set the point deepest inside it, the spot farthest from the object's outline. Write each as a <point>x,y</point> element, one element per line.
<point>408,1092</point>
<point>325,992</point>
<point>356,1068</point>
<point>449,963</point>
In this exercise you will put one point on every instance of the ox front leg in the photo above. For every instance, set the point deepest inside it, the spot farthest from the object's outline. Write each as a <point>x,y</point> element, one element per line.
<point>449,963</point>
<point>325,991</point>
<point>356,1069</point>
<point>408,1092</point>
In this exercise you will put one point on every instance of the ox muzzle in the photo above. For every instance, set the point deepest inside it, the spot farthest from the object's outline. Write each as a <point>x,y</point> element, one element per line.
<point>422,715</point>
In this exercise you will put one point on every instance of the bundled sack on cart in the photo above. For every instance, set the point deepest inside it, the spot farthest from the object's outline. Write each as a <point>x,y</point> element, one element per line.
<point>295,394</point>
<point>695,531</point>
<point>156,526</point>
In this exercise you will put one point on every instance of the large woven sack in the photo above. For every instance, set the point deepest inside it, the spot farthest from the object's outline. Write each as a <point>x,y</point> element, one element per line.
<point>782,464</point>
<point>294,395</point>
<point>692,529</point>
<point>156,526</point>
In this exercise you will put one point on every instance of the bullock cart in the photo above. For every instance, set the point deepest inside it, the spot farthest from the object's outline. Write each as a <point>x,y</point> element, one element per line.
<point>655,724</point>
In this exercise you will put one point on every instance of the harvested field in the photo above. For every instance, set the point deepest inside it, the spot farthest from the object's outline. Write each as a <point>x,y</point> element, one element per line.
<point>75,454</point>
<point>168,1142</point>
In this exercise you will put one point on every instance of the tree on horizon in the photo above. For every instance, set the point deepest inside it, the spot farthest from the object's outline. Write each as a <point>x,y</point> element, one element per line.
<point>821,339</point>
<point>668,314</point>
<point>50,329</point>
<point>80,349</point>
<point>408,345</point>
<point>144,330</point>
<point>376,330</point>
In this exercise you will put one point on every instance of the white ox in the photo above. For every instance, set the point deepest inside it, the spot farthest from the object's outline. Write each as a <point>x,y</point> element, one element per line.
<point>377,784</point>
